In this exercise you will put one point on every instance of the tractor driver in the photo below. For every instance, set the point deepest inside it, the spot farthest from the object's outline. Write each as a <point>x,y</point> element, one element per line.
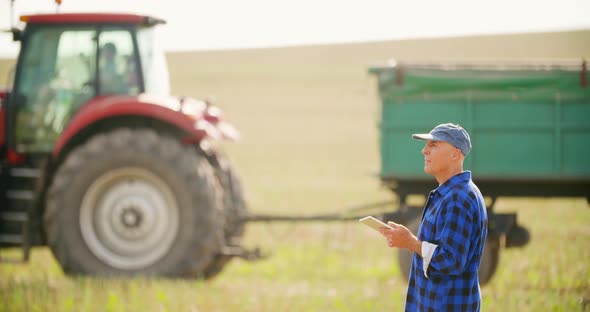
<point>111,80</point>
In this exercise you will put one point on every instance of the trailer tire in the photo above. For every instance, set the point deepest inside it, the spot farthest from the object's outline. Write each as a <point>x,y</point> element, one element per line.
<point>404,256</point>
<point>134,202</point>
<point>489,260</point>
<point>487,267</point>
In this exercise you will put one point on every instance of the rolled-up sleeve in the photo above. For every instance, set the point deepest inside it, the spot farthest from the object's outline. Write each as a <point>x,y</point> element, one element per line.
<point>427,252</point>
<point>454,227</point>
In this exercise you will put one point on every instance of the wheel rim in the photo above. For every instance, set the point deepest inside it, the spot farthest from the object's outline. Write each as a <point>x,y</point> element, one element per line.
<point>129,218</point>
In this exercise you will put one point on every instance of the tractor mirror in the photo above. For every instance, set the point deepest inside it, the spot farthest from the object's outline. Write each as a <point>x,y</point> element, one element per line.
<point>17,34</point>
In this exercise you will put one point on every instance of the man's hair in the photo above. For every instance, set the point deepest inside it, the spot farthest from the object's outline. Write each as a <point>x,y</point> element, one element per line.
<point>109,47</point>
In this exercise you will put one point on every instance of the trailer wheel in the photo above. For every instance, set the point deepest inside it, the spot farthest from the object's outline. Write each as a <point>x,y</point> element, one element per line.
<point>134,202</point>
<point>234,209</point>
<point>489,260</point>
<point>487,267</point>
<point>404,256</point>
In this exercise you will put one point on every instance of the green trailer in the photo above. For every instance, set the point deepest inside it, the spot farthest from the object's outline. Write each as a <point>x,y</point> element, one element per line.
<point>529,123</point>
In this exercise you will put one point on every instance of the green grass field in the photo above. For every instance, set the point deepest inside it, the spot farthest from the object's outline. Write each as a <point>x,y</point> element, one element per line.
<point>308,120</point>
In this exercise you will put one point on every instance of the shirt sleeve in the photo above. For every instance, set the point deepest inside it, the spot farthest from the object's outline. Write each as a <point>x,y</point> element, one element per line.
<point>427,252</point>
<point>453,237</point>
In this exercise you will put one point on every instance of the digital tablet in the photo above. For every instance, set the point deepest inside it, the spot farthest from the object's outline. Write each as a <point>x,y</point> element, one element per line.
<point>374,223</point>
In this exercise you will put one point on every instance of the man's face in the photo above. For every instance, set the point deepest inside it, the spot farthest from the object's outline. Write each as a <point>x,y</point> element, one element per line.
<point>109,54</point>
<point>438,156</point>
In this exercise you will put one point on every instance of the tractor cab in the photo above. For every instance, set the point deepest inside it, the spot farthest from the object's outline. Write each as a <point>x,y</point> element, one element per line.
<point>68,59</point>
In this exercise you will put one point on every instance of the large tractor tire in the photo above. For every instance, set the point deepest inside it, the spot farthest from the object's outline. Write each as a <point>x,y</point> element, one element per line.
<point>234,210</point>
<point>234,205</point>
<point>134,202</point>
<point>487,267</point>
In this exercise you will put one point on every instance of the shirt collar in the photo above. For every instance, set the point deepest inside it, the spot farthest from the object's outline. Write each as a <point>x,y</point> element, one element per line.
<point>444,188</point>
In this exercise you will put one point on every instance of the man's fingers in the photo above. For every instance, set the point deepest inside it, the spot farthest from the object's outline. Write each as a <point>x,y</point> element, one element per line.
<point>392,224</point>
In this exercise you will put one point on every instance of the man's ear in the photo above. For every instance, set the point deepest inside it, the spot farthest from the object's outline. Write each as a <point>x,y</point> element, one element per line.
<point>460,155</point>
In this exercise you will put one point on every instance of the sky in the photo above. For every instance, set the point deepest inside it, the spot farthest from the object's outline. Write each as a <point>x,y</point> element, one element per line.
<point>227,24</point>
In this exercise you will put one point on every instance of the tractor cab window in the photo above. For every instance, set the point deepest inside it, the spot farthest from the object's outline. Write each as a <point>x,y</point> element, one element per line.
<point>54,79</point>
<point>153,63</point>
<point>63,67</point>
<point>117,63</point>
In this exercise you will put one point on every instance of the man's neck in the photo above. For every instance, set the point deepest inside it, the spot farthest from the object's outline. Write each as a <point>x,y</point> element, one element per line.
<point>443,177</point>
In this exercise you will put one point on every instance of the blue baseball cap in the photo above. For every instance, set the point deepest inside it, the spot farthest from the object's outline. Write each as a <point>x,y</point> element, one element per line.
<point>451,133</point>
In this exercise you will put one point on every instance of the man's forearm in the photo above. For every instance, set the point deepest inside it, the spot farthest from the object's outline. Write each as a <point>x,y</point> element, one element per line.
<point>416,246</point>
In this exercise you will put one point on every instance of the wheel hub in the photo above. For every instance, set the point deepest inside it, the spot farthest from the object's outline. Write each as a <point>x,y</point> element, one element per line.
<point>131,218</point>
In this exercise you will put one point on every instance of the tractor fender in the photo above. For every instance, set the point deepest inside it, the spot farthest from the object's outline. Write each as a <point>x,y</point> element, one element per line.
<point>191,116</point>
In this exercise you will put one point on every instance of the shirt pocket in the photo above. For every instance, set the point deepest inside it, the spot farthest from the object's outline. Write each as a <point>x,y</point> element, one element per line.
<point>427,229</point>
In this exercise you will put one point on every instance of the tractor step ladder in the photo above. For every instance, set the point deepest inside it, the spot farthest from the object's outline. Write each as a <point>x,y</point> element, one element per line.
<point>21,201</point>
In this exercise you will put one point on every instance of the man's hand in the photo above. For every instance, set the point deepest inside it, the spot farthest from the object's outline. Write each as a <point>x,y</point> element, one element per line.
<point>401,237</point>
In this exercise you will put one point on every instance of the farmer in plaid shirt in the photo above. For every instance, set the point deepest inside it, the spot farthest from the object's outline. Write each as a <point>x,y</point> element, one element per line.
<point>451,238</point>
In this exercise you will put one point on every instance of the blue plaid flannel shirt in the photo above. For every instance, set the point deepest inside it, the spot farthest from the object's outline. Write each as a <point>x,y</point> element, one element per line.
<point>455,219</point>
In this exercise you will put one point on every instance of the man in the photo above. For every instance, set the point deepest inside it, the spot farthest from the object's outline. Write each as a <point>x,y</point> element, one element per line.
<point>452,234</point>
<point>111,79</point>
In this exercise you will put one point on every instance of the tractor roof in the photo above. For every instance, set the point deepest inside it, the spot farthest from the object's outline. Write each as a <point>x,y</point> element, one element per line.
<point>91,18</point>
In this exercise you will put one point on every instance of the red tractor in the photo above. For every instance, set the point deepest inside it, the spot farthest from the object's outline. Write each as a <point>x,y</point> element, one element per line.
<point>98,162</point>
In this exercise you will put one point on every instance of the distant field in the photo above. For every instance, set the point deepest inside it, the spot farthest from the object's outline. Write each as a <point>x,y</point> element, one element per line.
<point>308,120</point>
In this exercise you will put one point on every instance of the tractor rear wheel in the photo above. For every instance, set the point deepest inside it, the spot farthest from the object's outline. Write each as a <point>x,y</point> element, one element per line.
<point>234,210</point>
<point>234,205</point>
<point>134,202</point>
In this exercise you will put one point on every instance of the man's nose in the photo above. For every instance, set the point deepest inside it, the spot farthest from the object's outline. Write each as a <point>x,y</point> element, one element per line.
<point>425,150</point>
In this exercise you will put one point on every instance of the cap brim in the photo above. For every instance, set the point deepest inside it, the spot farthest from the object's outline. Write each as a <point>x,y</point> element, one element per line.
<point>423,136</point>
